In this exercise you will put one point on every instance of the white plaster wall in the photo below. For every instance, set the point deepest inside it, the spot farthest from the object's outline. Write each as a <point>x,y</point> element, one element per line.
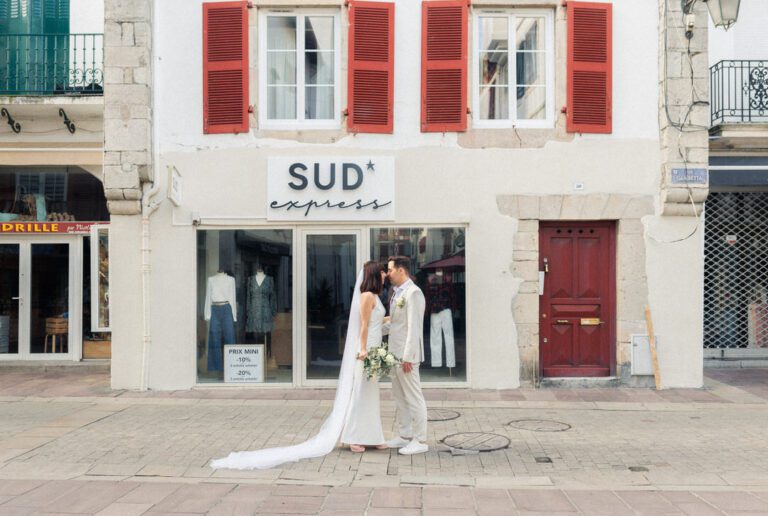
<point>179,78</point>
<point>86,16</point>
<point>746,39</point>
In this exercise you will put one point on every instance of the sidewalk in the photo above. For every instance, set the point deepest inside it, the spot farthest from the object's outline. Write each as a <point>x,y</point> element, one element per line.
<point>69,444</point>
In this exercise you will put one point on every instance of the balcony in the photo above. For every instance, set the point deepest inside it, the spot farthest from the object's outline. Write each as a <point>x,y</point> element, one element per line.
<point>51,64</point>
<point>739,105</point>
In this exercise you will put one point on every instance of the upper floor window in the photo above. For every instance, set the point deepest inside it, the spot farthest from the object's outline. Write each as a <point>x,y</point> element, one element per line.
<point>514,69</point>
<point>299,70</point>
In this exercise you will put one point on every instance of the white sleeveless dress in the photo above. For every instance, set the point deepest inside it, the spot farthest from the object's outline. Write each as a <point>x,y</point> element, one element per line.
<point>363,421</point>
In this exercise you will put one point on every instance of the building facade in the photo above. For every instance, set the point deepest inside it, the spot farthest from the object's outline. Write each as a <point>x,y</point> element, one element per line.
<point>54,232</point>
<point>525,155</point>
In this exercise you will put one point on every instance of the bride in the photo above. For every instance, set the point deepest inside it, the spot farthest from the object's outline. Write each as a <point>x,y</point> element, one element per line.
<point>355,417</point>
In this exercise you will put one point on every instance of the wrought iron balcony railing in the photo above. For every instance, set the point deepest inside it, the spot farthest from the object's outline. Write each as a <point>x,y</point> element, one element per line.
<point>51,64</point>
<point>739,92</point>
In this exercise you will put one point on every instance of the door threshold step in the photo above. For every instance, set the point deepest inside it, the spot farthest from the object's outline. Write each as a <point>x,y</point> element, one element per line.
<point>579,382</point>
<point>56,366</point>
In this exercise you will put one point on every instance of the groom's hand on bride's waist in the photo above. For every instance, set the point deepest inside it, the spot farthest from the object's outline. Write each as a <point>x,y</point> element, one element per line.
<point>407,367</point>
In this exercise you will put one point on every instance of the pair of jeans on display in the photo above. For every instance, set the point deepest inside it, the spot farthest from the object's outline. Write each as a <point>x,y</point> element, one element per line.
<point>220,332</point>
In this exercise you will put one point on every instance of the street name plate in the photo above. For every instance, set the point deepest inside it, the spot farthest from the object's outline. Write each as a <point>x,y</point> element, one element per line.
<point>689,176</point>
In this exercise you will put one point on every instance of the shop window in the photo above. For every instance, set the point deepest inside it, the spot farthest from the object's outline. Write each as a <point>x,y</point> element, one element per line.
<point>438,268</point>
<point>245,299</point>
<point>299,70</point>
<point>99,255</point>
<point>514,72</point>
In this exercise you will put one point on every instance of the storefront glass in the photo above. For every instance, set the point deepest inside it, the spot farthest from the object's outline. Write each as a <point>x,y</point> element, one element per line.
<point>9,298</point>
<point>49,309</point>
<point>331,276</point>
<point>245,297</point>
<point>438,268</point>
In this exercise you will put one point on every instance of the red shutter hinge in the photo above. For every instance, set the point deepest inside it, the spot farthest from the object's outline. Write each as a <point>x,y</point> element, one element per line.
<point>564,3</point>
<point>469,111</point>
<point>345,112</point>
<point>347,2</point>
<point>251,109</point>
<point>249,5</point>
<point>564,110</point>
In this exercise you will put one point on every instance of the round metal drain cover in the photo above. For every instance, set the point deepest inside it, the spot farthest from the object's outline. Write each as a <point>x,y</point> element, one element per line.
<point>437,414</point>
<point>477,441</point>
<point>539,425</point>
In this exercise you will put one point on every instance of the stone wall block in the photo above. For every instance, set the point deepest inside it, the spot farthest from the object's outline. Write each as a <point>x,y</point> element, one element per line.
<point>572,206</point>
<point>117,178</point>
<point>526,309</point>
<point>528,206</point>
<point>594,206</point>
<point>526,242</point>
<point>528,226</point>
<point>529,271</point>
<point>550,206</point>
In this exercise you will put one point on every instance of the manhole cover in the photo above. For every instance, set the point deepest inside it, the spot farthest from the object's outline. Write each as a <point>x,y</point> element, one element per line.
<point>539,425</point>
<point>477,441</point>
<point>441,414</point>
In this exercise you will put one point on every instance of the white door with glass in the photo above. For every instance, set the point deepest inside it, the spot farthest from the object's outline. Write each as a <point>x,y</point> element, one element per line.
<point>331,262</point>
<point>39,315</point>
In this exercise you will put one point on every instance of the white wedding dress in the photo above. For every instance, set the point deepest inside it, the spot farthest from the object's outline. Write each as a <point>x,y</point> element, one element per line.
<point>363,423</point>
<point>325,440</point>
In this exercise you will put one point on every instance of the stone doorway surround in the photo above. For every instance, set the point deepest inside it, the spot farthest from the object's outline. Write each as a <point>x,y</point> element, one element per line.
<point>631,279</point>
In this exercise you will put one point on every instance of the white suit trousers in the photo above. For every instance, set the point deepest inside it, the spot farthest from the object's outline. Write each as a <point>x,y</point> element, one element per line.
<point>411,406</point>
<point>441,324</point>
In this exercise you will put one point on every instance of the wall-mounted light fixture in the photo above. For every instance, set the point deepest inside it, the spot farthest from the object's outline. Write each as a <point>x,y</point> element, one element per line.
<point>723,12</point>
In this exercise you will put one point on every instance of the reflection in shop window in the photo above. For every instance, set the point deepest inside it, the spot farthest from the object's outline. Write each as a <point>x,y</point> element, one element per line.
<point>438,268</point>
<point>244,280</point>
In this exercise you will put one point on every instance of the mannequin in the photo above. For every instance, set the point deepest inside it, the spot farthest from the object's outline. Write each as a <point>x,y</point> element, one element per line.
<point>221,311</point>
<point>441,299</point>
<point>261,305</point>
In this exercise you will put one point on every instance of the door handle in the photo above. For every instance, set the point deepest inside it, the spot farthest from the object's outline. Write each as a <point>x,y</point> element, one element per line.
<point>16,297</point>
<point>563,321</point>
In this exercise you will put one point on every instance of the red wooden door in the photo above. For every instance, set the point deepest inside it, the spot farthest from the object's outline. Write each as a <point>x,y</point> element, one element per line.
<point>578,304</point>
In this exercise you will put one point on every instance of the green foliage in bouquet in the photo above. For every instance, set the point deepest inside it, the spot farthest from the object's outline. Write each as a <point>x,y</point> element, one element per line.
<point>379,362</point>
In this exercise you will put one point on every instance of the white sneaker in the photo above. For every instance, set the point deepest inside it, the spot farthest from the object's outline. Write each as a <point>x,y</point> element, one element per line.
<point>398,442</point>
<point>413,448</point>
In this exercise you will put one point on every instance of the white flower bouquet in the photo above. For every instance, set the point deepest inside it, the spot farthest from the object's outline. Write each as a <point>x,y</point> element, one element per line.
<point>379,362</point>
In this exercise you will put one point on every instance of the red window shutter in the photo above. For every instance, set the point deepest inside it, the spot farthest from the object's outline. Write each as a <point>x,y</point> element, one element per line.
<point>589,67</point>
<point>371,67</point>
<point>444,65</point>
<point>225,67</point>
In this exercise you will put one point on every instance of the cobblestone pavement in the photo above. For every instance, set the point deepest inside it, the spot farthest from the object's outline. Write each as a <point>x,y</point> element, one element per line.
<point>619,451</point>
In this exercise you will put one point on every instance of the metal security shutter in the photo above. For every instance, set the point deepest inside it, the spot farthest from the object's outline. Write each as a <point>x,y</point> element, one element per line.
<point>736,270</point>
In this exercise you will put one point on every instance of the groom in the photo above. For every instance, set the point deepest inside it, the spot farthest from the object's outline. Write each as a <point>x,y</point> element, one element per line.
<point>406,341</point>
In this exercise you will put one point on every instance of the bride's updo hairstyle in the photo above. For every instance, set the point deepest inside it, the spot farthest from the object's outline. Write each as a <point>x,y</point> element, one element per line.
<point>372,278</point>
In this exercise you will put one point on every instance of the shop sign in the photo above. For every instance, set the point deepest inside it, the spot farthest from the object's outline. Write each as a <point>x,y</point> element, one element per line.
<point>244,363</point>
<point>331,188</point>
<point>42,228</point>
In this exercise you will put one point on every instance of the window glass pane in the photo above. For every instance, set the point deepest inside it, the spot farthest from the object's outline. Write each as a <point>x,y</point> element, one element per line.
<point>494,68</point>
<point>318,101</point>
<point>10,257</point>
<point>530,68</point>
<point>493,33</point>
<point>529,33</point>
<point>318,68</point>
<point>331,277</point>
<point>281,102</point>
<point>319,33</point>
<point>245,297</point>
<point>494,103</point>
<point>281,33</point>
<point>49,313</point>
<point>531,102</point>
<point>437,267</point>
<point>281,68</point>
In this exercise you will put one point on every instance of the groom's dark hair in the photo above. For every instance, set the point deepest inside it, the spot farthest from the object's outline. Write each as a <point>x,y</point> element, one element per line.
<point>401,262</point>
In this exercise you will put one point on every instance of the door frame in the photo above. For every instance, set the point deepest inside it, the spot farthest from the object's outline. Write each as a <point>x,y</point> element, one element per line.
<point>611,315</point>
<point>75,278</point>
<point>300,294</point>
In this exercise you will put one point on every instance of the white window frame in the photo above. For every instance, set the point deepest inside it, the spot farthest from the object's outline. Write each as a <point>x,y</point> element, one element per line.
<point>95,281</point>
<point>549,38</point>
<point>299,122</point>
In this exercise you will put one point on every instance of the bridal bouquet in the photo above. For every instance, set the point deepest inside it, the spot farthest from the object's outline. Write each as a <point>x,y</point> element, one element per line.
<point>379,362</point>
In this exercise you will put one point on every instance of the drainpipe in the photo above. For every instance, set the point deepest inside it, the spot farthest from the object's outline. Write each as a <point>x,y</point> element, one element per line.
<point>148,207</point>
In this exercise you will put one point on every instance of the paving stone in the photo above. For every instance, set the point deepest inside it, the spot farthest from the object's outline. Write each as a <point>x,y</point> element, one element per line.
<point>378,511</point>
<point>401,497</point>
<point>194,498</point>
<point>597,502</point>
<point>291,504</point>
<point>18,487</point>
<point>733,501</point>
<point>91,497</point>
<point>44,494</point>
<point>447,497</point>
<point>541,501</point>
<point>149,493</point>
<point>124,509</point>
<point>646,502</point>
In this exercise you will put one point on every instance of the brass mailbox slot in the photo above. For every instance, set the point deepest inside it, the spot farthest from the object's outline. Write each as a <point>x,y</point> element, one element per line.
<point>590,321</point>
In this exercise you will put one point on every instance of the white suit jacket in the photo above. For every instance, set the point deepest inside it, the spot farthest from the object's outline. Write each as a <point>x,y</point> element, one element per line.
<point>406,326</point>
